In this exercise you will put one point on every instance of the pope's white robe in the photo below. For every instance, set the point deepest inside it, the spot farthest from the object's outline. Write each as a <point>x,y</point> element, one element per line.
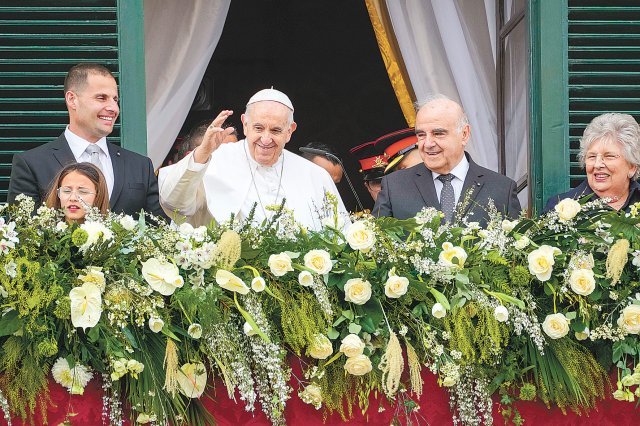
<point>224,187</point>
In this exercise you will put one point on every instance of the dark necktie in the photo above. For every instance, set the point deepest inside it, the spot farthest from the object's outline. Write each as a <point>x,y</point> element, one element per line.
<point>447,196</point>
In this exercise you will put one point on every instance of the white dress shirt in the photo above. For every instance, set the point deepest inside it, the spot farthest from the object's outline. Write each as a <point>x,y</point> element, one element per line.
<point>459,172</point>
<point>79,146</point>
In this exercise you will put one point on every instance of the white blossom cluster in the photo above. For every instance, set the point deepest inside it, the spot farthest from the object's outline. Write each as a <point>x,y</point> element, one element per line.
<point>322,295</point>
<point>270,371</point>
<point>471,400</point>
<point>529,323</point>
<point>4,406</point>
<point>112,413</point>
<point>8,236</point>
<point>230,346</point>
<point>607,331</point>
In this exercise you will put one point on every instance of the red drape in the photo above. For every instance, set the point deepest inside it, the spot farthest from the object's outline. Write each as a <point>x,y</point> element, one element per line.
<point>434,410</point>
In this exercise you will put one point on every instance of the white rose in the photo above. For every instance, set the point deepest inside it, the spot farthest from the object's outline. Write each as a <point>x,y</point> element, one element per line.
<point>155,324</point>
<point>248,330</point>
<point>312,394</point>
<point>501,314</point>
<point>522,242</point>
<point>360,236</point>
<point>96,232</point>
<point>556,325</point>
<point>128,222</point>
<point>195,331</point>
<point>396,286</point>
<point>582,335</point>
<point>305,279</point>
<point>582,281</point>
<point>438,311</point>
<point>143,418</point>
<point>449,253</point>
<point>567,209</point>
<point>541,262</point>
<point>258,284</point>
<point>86,305</point>
<point>319,261</point>
<point>162,276</point>
<point>320,347</point>
<point>229,281</point>
<point>508,225</point>
<point>352,345</point>
<point>449,381</point>
<point>629,319</point>
<point>357,290</point>
<point>280,264</point>
<point>358,365</point>
<point>199,233</point>
<point>185,229</point>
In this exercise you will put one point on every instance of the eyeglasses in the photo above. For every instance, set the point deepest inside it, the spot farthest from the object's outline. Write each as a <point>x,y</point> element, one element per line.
<point>64,192</point>
<point>605,158</point>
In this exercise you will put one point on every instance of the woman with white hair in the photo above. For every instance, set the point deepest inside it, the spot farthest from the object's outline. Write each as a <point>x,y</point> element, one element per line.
<point>610,155</point>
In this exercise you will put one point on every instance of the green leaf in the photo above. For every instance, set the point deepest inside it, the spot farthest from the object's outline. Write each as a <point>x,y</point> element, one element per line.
<point>339,321</point>
<point>333,334</point>
<point>131,338</point>
<point>368,325</point>
<point>505,298</point>
<point>10,323</point>
<point>440,298</point>
<point>94,334</point>
<point>354,328</point>
<point>570,315</point>
<point>348,315</point>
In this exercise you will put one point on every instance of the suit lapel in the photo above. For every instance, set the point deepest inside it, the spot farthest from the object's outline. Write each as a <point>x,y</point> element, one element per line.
<point>472,185</point>
<point>118,172</point>
<point>424,183</point>
<point>61,151</point>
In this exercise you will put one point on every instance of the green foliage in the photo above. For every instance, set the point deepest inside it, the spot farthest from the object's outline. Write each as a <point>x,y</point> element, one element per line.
<point>568,375</point>
<point>476,334</point>
<point>300,321</point>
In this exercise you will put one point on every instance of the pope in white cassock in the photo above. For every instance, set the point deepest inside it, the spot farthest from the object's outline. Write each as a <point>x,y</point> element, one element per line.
<point>220,179</point>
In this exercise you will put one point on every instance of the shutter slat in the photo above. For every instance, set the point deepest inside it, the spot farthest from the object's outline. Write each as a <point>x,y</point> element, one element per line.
<point>39,44</point>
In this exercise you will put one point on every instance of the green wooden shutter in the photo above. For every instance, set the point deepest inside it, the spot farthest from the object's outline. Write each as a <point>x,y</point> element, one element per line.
<point>39,42</point>
<point>604,66</point>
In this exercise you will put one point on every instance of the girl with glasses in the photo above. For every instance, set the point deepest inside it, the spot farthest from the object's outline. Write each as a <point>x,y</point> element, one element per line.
<point>76,187</point>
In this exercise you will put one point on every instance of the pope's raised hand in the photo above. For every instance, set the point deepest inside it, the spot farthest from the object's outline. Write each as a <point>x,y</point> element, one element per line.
<point>213,137</point>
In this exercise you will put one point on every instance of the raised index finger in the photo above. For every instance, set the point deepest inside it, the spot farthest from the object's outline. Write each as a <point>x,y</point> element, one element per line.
<point>219,120</point>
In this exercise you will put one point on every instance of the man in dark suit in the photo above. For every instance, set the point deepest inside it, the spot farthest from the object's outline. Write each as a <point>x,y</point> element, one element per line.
<point>447,179</point>
<point>91,95</point>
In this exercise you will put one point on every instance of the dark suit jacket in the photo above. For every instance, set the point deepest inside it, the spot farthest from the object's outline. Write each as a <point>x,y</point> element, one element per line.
<point>405,192</point>
<point>135,185</point>
<point>584,189</point>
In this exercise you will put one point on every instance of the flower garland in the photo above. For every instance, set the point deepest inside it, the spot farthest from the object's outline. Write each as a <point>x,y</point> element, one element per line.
<point>154,312</point>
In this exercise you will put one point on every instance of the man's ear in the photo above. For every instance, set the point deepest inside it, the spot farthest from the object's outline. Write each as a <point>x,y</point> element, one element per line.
<point>71,99</point>
<point>466,134</point>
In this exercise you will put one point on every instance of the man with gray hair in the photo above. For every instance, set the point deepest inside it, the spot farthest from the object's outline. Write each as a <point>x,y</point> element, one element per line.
<point>448,179</point>
<point>219,179</point>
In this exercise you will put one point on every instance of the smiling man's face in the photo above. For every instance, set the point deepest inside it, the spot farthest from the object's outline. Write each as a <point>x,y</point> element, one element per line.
<point>268,127</point>
<point>93,108</point>
<point>441,136</point>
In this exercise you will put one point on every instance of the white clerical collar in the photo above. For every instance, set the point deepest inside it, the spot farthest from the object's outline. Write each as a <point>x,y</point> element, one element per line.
<point>255,165</point>
<point>459,171</point>
<point>79,145</point>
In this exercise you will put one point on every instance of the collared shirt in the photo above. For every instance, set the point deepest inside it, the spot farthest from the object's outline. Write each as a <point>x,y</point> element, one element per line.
<point>79,146</point>
<point>459,172</point>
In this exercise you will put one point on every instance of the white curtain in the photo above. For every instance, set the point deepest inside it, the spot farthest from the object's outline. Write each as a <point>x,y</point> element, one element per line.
<point>180,37</point>
<point>448,47</point>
